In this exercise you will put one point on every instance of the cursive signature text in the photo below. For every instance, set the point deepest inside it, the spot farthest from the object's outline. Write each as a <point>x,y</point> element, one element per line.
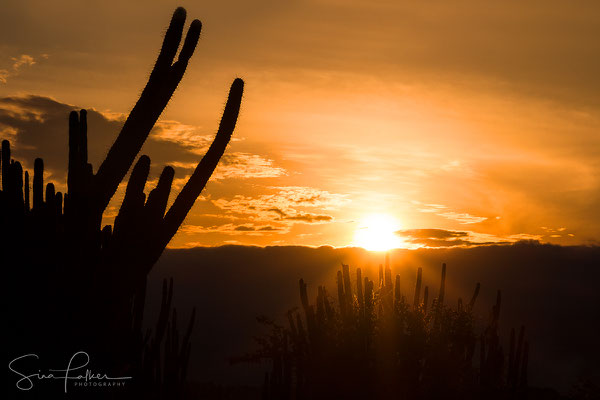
<point>75,371</point>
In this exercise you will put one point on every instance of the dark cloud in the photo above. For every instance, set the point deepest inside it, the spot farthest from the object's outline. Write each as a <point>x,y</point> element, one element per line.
<point>251,228</point>
<point>431,233</point>
<point>278,211</point>
<point>301,217</point>
<point>233,229</point>
<point>40,126</point>
<point>437,238</point>
<point>268,228</point>
<point>244,228</point>
<point>309,218</point>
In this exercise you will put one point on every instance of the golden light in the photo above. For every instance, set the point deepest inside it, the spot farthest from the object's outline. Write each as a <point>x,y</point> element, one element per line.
<point>376,232</point>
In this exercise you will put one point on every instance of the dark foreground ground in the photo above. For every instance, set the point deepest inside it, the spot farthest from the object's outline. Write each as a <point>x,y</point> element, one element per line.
<point>554,291</point>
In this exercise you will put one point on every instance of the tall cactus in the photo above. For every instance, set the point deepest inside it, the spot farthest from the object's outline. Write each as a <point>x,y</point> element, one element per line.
<point>86,280</point>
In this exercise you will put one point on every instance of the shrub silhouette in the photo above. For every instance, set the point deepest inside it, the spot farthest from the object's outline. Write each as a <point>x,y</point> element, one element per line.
<point>378,344</point>
<point>75,285</point>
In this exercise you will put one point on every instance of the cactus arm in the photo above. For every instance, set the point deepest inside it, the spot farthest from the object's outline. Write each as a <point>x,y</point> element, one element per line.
<point>162,83</point>
<point>74,168</point>
<point>134,193</point>
<point>186,198</point>
<point>474,298</point>
<point>158,197</point>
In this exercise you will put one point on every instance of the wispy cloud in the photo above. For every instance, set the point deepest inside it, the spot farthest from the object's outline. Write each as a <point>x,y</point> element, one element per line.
<point>287,204</point>
<point>239,165</point>
<point>443,211</point>
<point>24,60</point>
<point>246,165</point>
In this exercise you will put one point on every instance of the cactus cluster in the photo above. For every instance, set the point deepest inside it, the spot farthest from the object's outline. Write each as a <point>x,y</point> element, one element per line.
<point>77,285</point>
<point>371,341</point>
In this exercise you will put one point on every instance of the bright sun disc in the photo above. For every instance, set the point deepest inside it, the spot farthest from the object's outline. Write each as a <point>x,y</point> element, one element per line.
<point>377,232</point>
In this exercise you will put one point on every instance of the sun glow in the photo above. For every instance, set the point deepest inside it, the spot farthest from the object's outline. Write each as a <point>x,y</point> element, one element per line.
<point>376,232</point>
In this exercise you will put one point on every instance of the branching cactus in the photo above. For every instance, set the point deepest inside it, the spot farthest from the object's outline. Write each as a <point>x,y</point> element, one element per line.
<point>67,272</point>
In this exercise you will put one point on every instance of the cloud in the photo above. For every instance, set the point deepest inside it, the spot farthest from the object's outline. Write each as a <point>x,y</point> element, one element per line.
<point>432,233</point>
<point>233,229</point>
<point>289,203</point>
<point>24,60</point>
<point>245,165</point>
<point>4,74</point>
<point>186,136</point>
<point>439,238</point>
<point>442,211</point>
<point>38,127</point>
<point>309,218</point>
<point>301,217</point>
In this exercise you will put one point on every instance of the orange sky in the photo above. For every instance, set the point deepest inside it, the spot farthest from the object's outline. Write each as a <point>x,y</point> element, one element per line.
<point>461,122</point>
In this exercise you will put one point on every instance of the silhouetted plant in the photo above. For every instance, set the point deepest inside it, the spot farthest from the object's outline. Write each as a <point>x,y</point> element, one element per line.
<point>77,285</point>
<point>375,344</point>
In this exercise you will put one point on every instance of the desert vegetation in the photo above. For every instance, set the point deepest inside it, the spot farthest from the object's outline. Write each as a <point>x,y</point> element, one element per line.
<point>77,286</point>
<point>376,339</point>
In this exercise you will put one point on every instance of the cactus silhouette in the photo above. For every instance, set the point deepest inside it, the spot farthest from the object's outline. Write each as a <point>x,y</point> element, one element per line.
<point>81,284</point>
<point>376,344</point>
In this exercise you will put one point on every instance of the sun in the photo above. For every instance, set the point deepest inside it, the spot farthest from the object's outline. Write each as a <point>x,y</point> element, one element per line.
<point>377,232</point>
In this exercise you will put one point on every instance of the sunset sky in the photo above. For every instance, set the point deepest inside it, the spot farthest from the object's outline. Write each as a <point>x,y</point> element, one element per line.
<point>438,123</point>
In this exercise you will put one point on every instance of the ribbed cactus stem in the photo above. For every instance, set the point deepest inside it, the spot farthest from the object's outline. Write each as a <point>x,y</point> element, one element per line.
<point>347,287</point>
<point>425,298</point>
<point>5,165</point>
<point>18,184</point>
<point>368,296</point>
<point>359,291</point>
<point>397,292</point>
<point>418,287</point>
<point>442,286</point>
<point>341,294</point>
<point>389,284</point>
<point>320,305</point>
<point>388,273</point>
<point>26,191</point>
<point>50,193</point>
<point>474,298</point>
<point>38,184</point>
<point>303,294</point>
